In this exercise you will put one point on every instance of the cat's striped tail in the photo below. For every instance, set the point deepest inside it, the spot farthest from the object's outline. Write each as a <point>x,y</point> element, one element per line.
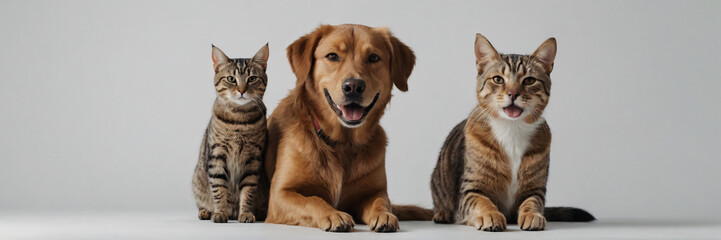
<point>567,214</point>
<point>410,212</point>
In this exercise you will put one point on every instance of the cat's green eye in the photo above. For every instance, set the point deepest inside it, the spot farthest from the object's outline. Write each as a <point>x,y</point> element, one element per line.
<point>252,79</point>
<point>230,79</point>
<point>333,57</point>
<point>373,58</point>
<point>529,81</point>
<point>498,80</point>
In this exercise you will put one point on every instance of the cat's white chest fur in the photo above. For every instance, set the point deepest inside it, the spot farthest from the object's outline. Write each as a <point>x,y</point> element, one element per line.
<point>514,136</point>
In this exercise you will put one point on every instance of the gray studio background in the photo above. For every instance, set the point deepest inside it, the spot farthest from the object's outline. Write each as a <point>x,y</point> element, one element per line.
<point>103,104</point>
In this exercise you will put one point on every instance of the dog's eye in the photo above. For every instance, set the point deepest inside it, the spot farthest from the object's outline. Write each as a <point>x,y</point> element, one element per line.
<point>373,58</point>
<point>529,81</point>
<point>230,79</point>
<point>498,80</point>
<point>332,57</point>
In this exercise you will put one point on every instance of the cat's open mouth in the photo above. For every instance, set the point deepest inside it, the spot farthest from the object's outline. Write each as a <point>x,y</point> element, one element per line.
<point>513,111</point>
<point>351,114</point>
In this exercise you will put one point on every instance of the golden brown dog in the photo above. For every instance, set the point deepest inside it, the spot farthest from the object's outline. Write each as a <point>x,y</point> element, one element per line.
<point>326,150</point>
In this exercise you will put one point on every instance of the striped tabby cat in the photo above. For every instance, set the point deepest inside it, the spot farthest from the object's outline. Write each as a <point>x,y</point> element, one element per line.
<point>494,165</point>
<point>229,180</point>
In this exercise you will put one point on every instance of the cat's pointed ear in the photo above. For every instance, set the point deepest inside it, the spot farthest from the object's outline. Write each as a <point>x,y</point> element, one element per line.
<point>545,54</point>
<point>218,58</point>
<point>485,53</point>
<point>261,56</point>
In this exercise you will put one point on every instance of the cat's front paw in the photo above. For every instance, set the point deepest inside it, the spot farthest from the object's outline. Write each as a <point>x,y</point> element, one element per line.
<point>246,217</point>
<point>489,222</point>
<point>383,222</point>
<point>443,217</point>
<point>219,217</point>
<point>531,221</point>
<point>204,214</point>
<point>336,221</point>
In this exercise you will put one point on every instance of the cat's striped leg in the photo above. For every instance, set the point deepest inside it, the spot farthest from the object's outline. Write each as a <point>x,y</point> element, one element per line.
<point>248,195</point>
<point>248,187</point>
<point>480,212</point>
<point>477,193</point>
<point>532,197</point>
<point>530,214</point>
<point>444,189</point>
<point>218,177</point>
<point>201,190</point>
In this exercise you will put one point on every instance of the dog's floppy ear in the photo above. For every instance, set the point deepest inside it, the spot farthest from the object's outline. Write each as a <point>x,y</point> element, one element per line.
<point>402,61</point>
<point>300,53</point>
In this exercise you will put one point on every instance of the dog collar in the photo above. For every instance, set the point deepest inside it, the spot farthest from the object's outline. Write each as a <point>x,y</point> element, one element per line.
<point>321,135</point>
<point>318,130</point>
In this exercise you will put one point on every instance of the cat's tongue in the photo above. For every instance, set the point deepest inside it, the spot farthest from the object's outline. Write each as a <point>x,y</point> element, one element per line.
<point>513,111</point>
<point>352,112</point>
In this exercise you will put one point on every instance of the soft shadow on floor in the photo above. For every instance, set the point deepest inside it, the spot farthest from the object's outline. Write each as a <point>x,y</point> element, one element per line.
<point>632,223</point>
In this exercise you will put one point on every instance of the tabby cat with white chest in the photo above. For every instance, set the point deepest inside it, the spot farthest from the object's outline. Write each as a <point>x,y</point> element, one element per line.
<point>493,166</point>
<point>229,180</point>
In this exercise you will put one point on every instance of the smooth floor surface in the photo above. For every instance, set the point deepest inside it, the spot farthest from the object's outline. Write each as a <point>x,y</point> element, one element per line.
<point>16,225</point>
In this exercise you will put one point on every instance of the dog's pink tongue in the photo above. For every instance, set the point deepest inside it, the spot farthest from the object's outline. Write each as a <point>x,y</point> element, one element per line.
<point>513,111</point>
<point>353,113</point>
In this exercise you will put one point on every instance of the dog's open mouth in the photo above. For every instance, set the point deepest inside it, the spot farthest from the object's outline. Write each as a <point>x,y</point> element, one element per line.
<point>352,114</point>
<point>513,111</point>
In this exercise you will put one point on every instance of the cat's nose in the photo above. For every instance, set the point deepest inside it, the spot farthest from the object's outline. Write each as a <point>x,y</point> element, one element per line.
<point>513,94</point>
<point>241,91</point>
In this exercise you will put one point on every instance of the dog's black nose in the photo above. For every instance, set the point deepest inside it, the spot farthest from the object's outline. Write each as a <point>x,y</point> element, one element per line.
<point>354,87</point>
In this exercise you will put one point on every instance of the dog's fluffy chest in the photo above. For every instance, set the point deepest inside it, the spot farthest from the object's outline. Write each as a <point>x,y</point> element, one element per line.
<point>514,137</point>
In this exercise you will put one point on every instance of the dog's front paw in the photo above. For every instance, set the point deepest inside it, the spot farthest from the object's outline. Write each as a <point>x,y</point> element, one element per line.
<point>246,217</point>
<point>219,217</point>
<point>383,222</point>
<point>531,221</point>
<point>489,221</point>
<point>337,222</point>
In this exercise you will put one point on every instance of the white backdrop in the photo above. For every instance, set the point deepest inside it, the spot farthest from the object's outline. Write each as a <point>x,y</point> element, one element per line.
<point>104,103</point>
